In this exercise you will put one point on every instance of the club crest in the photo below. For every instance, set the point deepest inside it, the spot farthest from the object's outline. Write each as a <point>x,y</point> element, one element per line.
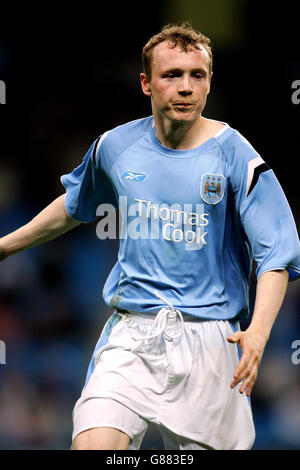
<point>212,188</point>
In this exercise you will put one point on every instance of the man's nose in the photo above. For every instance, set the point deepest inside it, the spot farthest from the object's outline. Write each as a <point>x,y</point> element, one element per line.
<point>185,87</point>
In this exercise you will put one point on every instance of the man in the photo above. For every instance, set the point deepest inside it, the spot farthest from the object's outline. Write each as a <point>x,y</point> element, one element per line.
<point>198,204</point>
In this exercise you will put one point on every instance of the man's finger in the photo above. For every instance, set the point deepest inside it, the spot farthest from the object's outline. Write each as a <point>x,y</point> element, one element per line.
<point>241,370</point>
<point>249,383</point>
<point>235,337</point>
<point>246,370</point>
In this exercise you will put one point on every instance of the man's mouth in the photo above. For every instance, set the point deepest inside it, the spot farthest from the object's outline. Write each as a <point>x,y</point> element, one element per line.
<point>182,104</point>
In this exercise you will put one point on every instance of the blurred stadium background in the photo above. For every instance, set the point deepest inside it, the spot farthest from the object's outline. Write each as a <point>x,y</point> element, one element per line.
<point>70,76</point>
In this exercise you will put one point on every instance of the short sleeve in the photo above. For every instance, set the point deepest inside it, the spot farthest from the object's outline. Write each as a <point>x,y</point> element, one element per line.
<point>265,213</point>
<point>87,186</point>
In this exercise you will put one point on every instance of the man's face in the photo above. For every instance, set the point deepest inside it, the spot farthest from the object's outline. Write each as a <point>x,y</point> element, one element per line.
<point>180,82</point>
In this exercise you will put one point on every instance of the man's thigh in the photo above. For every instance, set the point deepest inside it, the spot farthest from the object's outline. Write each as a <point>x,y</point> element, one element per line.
<point>101,439</point>
<point>106,423</point>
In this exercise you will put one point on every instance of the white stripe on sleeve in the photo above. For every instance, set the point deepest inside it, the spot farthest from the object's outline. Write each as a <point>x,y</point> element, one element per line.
<point>251,167</point>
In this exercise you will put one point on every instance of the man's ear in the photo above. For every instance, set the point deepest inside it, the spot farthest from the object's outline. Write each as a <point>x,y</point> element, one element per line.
<point>145,84</point>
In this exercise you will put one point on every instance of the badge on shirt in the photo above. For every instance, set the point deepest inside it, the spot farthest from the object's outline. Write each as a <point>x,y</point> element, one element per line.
<point>134,176</point>
<point>212,188</point>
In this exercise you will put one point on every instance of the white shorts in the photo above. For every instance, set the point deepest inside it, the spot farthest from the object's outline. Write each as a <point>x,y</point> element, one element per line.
<point>182,385</point>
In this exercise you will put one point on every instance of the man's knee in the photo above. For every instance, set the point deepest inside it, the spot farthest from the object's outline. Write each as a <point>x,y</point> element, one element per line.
<point>101,439</point>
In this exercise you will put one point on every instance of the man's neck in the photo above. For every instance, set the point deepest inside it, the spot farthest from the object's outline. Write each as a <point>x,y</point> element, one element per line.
<point>185,136</point>
<point>177,135</point>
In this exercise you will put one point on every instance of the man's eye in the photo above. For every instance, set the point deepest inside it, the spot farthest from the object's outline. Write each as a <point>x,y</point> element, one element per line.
<point>170,75</point>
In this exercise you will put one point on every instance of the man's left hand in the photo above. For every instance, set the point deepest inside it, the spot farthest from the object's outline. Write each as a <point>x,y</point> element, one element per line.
<point>252,346</point>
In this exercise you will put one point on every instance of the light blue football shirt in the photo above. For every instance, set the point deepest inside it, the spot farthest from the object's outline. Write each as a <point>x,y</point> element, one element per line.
<point>192,220</point>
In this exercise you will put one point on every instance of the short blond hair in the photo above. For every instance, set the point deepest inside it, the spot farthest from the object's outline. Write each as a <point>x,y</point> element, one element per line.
<point>183,35</point>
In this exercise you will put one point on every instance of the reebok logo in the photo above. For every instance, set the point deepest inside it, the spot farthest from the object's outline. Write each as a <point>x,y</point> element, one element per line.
<point>134,176</point>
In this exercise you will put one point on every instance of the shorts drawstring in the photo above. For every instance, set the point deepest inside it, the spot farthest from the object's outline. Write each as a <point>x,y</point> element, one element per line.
<point>165,315</point>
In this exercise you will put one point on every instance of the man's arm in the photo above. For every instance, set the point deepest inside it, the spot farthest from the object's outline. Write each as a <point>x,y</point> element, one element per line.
<point>270,292</point>
<point>50,223</point>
